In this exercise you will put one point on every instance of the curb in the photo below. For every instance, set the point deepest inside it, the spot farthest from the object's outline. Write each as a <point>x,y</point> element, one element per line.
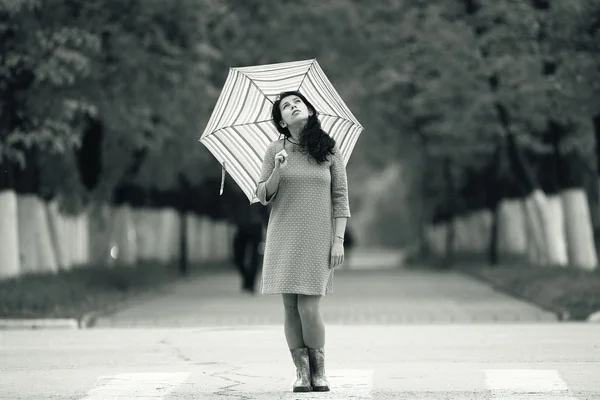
<point>39,323</point>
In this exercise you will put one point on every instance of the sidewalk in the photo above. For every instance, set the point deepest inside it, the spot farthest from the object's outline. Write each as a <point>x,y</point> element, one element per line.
<point>360,296</point>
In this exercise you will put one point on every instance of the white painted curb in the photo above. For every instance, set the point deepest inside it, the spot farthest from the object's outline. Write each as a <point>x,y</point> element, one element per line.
<point>594,317</point>
<point>52,323</point>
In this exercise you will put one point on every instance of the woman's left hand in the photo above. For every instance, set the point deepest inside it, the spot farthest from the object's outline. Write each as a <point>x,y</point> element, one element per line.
<point>337,255</point>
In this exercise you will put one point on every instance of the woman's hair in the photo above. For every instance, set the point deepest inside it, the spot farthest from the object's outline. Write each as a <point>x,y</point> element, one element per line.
<point>313,139</point>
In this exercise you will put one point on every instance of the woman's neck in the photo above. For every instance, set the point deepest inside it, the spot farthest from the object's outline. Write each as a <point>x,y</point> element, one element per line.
<point>295,133</point>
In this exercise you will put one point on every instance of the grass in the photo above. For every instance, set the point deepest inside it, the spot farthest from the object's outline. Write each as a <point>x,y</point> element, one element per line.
<point>71,294</point>
<point>571,293</point>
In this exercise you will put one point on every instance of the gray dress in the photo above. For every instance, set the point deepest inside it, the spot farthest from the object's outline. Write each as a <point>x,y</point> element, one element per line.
<point>300,229</point>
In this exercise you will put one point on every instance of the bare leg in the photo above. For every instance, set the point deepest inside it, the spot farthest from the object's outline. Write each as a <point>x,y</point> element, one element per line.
<point>292,323</point>
<point>313,328</point>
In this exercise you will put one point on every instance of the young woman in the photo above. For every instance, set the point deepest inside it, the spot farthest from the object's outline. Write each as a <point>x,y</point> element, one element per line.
<point>304,179</point>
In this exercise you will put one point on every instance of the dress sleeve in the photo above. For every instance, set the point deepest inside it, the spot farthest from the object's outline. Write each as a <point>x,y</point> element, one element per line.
<point>267,169</point>
<point>339,186</point>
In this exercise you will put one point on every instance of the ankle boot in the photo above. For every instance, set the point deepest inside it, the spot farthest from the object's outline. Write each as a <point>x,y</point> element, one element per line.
<point>300,357</point>
<point>317,370</point>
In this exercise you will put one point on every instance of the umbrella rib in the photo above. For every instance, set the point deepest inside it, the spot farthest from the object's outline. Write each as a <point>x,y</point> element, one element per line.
<point>306,74</point>
<point>234,125</point>
<point>256,86</point>
<point>270,120</point>
<point>339,117</point>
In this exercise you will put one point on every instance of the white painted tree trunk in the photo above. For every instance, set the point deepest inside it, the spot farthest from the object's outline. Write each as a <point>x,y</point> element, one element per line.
<point>511,238</point>
<point>221,240</point>
<point>480,228</point>
<point>82,233</point>
<point>535,209</point>
<point>36,248</point>
<point>473,232</point>
<point>145,233</point>
<point>436,238</point>
<point>205,238</point>
<point>192,237</point>
<point>60,238</point>
<point>100,223</point>
<point>123,236</point>
<point>9,235</point>
<point>555,228</point>
<point>168,229</point>
<point>578,226</point>
<point>461,234</point>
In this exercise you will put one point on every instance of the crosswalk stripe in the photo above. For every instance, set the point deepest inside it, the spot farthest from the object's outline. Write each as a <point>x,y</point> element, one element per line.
<point>355,384</point>
<point>519,384</point>
<point>136,386</point>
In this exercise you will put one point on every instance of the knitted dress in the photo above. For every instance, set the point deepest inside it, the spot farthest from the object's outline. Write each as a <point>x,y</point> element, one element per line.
<point>300,229</point>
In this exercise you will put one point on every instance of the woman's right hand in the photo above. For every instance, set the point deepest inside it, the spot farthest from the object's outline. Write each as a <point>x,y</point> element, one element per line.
<point>281,159</point>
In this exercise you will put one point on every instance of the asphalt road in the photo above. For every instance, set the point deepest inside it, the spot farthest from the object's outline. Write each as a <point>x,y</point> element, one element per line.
<point>435,361</point>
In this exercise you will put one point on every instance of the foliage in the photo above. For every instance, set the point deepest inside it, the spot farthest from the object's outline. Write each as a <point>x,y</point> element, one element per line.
<point>419,75</point>
<point>43,61</point>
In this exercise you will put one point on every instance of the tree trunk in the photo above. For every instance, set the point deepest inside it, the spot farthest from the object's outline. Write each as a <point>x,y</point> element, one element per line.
<point>436,237</point>
<point>554,216</point>
<point>60,239</point>
<point>71,236</point>
<point>555,226</point>
<point>36,248</point>
<point>145,233</point>
<point>9,231</point>
<point>82,250</point>
<point>123,237</point>
<point>451,230</point>
<point>169,229</point>
<point>535,203</point>
<point>480,227</point>
<point>192,236</point>
<point>581,246</point>
<point>511,228</point>
<point>536,212</point>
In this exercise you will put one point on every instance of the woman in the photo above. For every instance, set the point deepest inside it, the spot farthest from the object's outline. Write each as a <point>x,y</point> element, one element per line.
<point>304,179</point>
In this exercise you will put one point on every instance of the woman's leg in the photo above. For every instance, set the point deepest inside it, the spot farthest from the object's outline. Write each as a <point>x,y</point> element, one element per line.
<point>313,328</point>
<point>293,335</point>
<point>292,323</point>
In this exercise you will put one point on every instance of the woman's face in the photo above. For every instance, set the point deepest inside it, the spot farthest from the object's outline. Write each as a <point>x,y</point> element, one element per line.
<point>293,111</point>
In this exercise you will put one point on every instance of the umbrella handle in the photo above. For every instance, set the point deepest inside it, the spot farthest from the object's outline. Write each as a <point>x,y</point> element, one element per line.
<point>223,170</point>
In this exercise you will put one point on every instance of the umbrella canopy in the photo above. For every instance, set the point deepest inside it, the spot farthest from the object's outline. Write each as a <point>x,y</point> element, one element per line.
<point>240,127</point>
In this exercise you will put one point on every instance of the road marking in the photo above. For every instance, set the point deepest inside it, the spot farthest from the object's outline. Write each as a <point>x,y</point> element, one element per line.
<point>136,386</point>
<point>520,384</point>
<point>345,384</point>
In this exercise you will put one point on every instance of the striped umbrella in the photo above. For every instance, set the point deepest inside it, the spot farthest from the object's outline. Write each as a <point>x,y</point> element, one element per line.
<point>240,127</point>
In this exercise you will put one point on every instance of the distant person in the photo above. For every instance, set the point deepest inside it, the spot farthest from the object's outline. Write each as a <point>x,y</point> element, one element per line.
<point>304,178</point>
<point>249,221</point>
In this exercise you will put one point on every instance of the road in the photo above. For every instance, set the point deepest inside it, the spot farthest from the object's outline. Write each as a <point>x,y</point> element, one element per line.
<point>391,334</point>
<point>546,360</point>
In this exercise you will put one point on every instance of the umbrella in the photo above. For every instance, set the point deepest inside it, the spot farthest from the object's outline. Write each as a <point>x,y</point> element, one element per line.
<point>240,127</point>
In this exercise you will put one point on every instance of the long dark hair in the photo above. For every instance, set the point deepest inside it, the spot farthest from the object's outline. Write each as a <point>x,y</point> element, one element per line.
<point>313,140</point>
